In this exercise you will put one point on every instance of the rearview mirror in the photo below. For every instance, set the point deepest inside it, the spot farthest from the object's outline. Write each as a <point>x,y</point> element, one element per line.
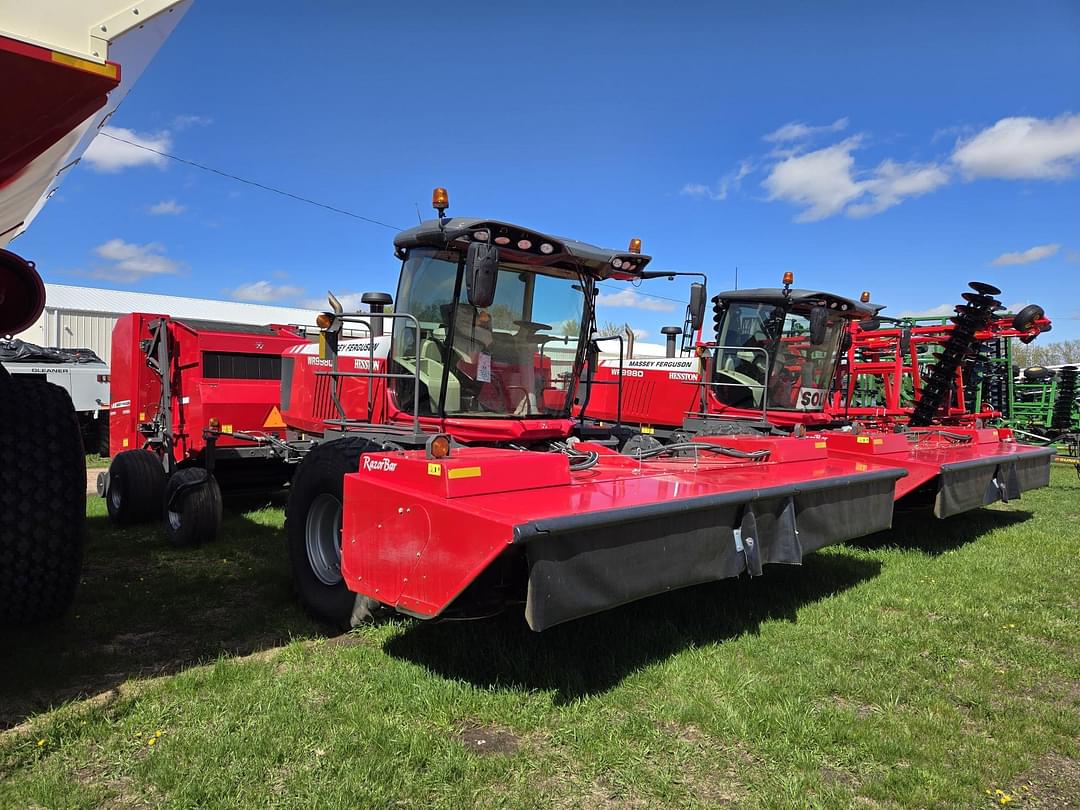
<point>905,339</point>
<point>819,319</point>
<point>481,272</point>
<point>697,305</point>
<point>870,324</point>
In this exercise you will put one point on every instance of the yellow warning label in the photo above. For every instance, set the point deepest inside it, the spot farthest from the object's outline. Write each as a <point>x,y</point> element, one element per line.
<point>821,445</point>
<point>464,472</point>
<point>647,430</point>
<point>862,439</point>
<point>226,428</point>
<point>879,441</point>
<point>860,466</point>
<point>434,469</point>
<point>274,420</point>
<point>125,442</point>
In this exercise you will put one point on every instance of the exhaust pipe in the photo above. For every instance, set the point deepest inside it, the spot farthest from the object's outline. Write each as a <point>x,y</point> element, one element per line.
<point>22,294</point>
<point>377,303</point>
<point>671,332</point>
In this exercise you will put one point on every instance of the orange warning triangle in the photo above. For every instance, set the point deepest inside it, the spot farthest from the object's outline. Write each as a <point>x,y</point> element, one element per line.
<point>274,420</point>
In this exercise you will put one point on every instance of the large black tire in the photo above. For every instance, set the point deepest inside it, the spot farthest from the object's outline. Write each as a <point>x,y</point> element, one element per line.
<point>318,482</point>
<point>192,508</point>
<point>136,487</point>
<point>42,501</point>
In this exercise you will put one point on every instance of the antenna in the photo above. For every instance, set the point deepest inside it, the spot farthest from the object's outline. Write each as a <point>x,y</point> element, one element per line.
<point>419,218</point>
<point>736,277</point>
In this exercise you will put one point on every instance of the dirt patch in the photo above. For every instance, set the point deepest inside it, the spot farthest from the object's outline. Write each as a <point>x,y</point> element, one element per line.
<point>1053,783</point>
<point>839,778</point>
<point>91,480</point>
<point>600,794</point>
<point>713,777</point>
<point>486,739</point>
<point>688,733</point>
<point>860,710</point>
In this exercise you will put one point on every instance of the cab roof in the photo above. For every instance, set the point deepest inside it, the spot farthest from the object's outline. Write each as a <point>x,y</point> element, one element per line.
<point>569,254</point>
<point>800,299</point>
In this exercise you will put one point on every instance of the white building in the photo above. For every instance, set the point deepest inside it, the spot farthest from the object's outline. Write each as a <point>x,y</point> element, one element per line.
<point>83,317</point>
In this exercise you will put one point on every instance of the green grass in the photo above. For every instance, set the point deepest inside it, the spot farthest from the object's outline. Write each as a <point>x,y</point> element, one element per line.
<point>928,667</point>
<point>95,462</point>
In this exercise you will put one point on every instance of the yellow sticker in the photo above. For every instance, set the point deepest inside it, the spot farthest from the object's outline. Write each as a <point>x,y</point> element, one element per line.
<point>647,430</point>
<point>862,439</point>
<point>464,472</point>
<point>142,416</point>
<point>226,428</point>
<point>860,466</point>
<point>434,469</point>
<point>108,69</point>
<point>879,441</point>
<point>821,445</point>
<point>125,442</point>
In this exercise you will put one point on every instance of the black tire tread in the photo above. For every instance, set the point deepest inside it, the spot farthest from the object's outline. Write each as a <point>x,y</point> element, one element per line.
<point>42,501</point>
<point>199,508</point>
<point>321,471</point>
<point>142,481</point>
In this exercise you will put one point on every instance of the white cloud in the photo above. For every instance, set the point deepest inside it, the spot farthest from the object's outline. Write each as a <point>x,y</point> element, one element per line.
<point>1032,254</point>
<point>797,131</point>
<point>186,121</point>
<point>825,182</point>
<point>630,299</point>
<point>167,208</point>
<point>132,262</point>
<point>820,181</point>
<point>350,301</point>
<point>940,311</point>
<point>892,182</point>
<point>108,155</point>
<point>1022,148</point>
<point>264,292</point>
<point>729,182</point>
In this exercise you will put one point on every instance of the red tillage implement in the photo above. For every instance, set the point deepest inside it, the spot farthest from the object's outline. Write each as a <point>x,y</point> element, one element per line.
<point>782,362</point>
<point>451,478</point>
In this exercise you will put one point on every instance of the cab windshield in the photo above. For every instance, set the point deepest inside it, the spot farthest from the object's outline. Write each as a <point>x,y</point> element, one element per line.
<point>515,358</point>
<point>764,350</point>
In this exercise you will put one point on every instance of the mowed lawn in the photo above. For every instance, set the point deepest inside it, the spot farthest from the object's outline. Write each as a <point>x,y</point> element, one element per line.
<point>937,665</point>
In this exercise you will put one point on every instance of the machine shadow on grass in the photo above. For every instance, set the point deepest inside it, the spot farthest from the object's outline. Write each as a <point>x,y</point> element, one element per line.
<point>919,530</point>
<point>591,655</point>
<point>144,609</point>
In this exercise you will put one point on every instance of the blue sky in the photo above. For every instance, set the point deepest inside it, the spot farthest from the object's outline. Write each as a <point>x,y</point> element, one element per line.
<point>905,150</point>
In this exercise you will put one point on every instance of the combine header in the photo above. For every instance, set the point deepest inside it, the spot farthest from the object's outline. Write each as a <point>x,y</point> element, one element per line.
<point>790,361</point>
<point>194,403</point>
<point>452,481</point>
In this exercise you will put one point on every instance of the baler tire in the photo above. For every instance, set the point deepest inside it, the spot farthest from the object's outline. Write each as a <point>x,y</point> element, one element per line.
<point>192,508</point>
<point>42,501</point>
<point>322,472</point>
<point>136,487</point>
